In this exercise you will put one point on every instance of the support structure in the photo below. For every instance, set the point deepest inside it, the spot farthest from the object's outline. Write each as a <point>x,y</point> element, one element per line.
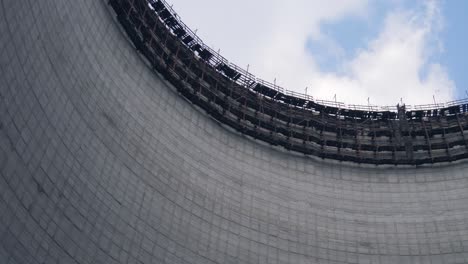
<point>363,134</point>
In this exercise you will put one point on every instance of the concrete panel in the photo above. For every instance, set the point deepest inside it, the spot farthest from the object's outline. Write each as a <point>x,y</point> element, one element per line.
<point>101,161</point>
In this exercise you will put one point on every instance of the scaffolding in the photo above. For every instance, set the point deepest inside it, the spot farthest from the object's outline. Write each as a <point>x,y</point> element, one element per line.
<point>328,129</point>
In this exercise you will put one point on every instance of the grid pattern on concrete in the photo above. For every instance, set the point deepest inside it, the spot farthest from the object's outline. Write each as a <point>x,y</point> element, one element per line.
<point>101,161</point>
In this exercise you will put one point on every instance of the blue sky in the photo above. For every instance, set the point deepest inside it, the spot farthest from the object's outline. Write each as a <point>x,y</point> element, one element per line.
<point>385,50</point>
<point>352,33</point>
<point>455,38</point>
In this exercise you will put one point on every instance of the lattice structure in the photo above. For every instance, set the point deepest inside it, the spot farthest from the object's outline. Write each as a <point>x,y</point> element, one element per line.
<point>364,134</point>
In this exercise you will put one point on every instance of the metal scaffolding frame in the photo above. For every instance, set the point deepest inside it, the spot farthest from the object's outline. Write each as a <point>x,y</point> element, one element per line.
<point>365,134</point>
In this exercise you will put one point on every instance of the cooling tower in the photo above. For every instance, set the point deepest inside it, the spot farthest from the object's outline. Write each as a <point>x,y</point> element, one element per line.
<point>122,141</point>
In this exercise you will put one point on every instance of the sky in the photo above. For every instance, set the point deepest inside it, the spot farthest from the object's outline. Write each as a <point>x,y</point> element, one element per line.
<point>380,52</point>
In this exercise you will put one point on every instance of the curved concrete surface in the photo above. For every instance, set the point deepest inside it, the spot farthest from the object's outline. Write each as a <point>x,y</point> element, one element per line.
<point>101,161</point>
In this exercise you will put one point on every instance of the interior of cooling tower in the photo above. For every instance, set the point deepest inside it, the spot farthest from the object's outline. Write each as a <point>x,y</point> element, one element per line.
<point>125,139</point>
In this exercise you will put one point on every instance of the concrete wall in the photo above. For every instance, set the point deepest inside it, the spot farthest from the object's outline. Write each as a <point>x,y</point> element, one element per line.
<point>102,162</point>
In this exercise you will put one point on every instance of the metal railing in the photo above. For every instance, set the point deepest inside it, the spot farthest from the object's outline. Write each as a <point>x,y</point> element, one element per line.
<point>246,78</point>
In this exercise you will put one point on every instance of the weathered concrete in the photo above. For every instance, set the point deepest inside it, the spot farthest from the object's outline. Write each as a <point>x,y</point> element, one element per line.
<point>102,162</point>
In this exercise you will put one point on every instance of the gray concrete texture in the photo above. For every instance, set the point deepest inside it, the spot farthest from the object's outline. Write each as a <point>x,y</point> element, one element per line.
<point>101,161</point>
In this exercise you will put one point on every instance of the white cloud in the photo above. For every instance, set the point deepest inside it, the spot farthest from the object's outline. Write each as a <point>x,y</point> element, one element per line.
<point>271,36</point>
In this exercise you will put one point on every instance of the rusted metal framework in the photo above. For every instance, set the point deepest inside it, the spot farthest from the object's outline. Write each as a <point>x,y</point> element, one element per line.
<point>364,134</point>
